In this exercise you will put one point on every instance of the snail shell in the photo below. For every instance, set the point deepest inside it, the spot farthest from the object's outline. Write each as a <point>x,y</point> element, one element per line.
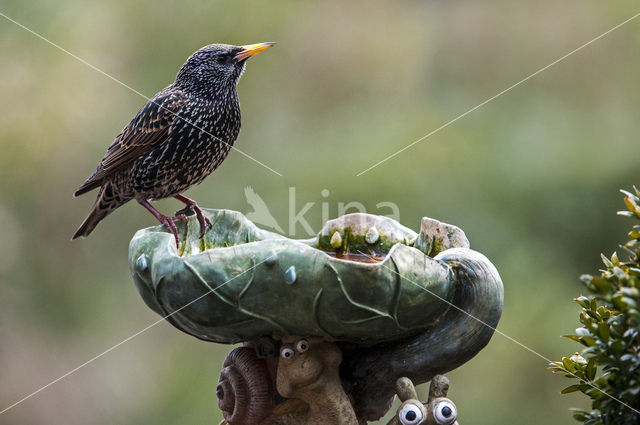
<point>245,390</point>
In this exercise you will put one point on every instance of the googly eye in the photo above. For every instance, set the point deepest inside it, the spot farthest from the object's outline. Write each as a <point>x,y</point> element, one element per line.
<point>286,352</point>
<point>302,346</point>
<point>445,412</point>
<point>411,414</point>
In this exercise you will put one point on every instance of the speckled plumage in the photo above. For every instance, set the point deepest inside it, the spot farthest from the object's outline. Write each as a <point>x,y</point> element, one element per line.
<point>176,140</point>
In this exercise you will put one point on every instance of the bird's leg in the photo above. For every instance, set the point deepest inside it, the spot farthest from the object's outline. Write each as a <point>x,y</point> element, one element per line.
<point>193,206</point>
<point>167,221</point>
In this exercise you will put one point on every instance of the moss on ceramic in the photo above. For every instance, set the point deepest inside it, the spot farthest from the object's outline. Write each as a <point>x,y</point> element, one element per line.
<point>239,282</point>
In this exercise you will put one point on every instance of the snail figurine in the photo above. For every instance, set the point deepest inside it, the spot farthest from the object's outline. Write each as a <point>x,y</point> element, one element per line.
<point>307,377</point>
<point>438,410</point>
<point>246,392</point>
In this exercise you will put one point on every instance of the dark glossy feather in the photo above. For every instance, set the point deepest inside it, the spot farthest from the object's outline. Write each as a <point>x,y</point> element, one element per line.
<point>148,129</point>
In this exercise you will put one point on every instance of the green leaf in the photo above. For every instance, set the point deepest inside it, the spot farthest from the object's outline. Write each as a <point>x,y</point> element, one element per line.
<point>584,319</point>
<point>593,314</point>
<point>580,415</point>
<point>631,292</point>
<point>603,331</point>
<point>590,370</point>
<point>570,389</point>
<point>634,313</point>
<point>599,284</point>
<point>614,259</point>
<point>629,200</point>
<point>586,278</point>
<point>583,301</point>
<point>603,312</point>
<point>588,341</point>
<point>626,213</point>
<point>575,338</point>
<point>617,346</point>
<point>606,261</point>
<point>628,302</point>
<point>568,364</point>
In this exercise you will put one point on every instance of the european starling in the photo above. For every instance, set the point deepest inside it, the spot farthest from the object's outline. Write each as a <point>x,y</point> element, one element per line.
<point>176,140</point>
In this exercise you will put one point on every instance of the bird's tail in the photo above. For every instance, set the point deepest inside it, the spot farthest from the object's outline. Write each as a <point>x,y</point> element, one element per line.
<point>104,205</point>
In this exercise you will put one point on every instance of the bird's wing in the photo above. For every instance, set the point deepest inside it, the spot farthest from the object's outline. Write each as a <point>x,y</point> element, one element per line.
<point>148,129</point>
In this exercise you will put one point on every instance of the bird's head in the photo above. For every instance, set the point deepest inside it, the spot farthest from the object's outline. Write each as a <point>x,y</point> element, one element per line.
<point>217,66</point>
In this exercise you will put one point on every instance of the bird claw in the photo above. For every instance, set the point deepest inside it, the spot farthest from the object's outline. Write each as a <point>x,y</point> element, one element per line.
<point>171,225</point>
<point>205,223</point>
<point>183,212</point>
<point>180,217</point>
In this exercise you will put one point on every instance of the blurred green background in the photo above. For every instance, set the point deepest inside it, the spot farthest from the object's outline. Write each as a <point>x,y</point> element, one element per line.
<point>532,177</point>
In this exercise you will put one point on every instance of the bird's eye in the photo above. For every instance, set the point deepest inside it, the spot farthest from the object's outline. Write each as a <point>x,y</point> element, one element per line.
<point>445,412</point>
<point>302,346</point>
<point>411,414</point>
<point>286,352</point>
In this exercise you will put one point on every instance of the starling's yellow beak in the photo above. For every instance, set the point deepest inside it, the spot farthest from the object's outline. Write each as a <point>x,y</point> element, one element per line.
<point>253,49</point>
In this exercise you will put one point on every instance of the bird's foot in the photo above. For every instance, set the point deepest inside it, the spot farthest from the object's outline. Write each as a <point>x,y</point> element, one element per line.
<point>169,222</point>
<point>180,216</point>
<point>192,206</point>
<point>171,225</point>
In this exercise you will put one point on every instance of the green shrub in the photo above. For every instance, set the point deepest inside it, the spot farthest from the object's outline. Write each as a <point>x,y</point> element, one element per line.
<point>608,369</point>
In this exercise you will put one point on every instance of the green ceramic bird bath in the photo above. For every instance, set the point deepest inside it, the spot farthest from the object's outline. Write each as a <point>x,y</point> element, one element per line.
<point>397,303</point>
